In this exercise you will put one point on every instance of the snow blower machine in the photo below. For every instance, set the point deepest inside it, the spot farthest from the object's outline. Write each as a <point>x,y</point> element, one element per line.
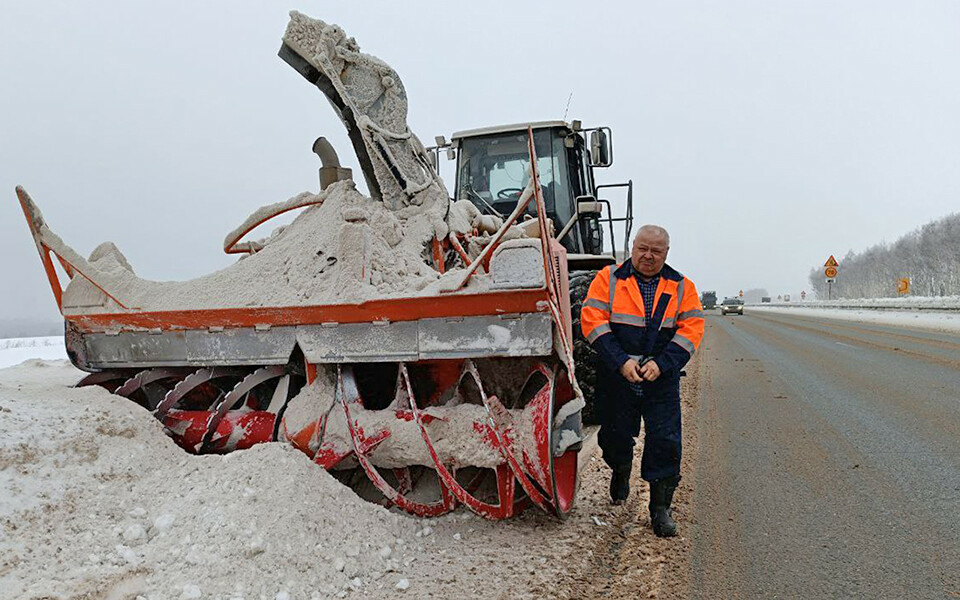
<point>420,348</point>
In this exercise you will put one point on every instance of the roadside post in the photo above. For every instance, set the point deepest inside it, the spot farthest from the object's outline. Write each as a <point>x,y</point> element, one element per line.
<point>830,271</point>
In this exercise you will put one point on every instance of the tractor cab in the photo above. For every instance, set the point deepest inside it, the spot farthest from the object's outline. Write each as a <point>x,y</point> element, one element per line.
<point>493,168</point>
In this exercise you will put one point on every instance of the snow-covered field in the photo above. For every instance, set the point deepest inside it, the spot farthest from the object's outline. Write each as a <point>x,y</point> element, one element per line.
<point>945,303</point>
<point>14,351</point>
<point>936,320</point>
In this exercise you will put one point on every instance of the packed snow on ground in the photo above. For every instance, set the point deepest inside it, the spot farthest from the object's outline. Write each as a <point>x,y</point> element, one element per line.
<point>14,351</point>
<point>97,502</point>
<point>923,319</point>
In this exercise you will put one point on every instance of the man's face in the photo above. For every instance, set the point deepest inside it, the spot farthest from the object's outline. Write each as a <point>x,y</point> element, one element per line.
<point>649,253</point>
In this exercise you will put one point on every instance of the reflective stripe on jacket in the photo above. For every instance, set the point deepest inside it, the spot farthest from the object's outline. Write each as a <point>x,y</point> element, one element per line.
<point>613,320</point>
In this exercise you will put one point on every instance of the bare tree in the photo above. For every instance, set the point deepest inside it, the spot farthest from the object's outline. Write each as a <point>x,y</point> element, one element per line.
<point>928,256</point>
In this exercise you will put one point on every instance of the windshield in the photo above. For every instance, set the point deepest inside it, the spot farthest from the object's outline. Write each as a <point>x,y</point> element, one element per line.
<point>494,169</point>
<point>730,301</point>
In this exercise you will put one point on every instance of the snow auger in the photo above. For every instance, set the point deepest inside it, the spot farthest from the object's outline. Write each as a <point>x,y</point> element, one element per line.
<point>452,386</point>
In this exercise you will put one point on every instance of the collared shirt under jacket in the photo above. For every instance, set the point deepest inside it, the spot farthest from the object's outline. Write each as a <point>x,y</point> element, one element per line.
<point>614,322</point>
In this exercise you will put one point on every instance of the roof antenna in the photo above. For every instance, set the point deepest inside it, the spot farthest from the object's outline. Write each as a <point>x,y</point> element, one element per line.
<point>567,109</point>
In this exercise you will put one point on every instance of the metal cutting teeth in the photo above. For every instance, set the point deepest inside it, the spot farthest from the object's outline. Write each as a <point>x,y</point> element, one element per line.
<point>141,380</point>
<point>526,464</point>
<point>191,382</point>
<point>212,427</point>
<point>238,393</point>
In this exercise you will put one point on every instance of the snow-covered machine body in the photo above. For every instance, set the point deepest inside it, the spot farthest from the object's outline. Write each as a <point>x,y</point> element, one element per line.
<point>405,337</point>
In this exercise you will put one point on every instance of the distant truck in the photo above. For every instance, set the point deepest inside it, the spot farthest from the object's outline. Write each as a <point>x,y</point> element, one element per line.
<point>708,300</point>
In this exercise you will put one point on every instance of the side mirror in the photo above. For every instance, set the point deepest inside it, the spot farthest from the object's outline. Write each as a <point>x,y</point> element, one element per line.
<point>434,152</point>
<point>600,150</point>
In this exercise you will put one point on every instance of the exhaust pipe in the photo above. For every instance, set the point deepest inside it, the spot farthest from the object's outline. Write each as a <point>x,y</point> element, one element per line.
<point>330,169</point>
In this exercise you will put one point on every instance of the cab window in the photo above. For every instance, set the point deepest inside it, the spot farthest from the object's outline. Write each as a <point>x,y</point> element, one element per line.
<point>494,171</point>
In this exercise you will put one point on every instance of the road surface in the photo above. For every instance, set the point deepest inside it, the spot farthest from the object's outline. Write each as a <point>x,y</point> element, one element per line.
<point>828,461</point>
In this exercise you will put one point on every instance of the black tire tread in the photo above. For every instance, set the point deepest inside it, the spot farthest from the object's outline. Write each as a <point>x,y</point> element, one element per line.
<point>584,357</point>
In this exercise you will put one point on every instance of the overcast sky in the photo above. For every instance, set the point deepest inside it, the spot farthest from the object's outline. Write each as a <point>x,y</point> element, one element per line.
<point>764,135</point>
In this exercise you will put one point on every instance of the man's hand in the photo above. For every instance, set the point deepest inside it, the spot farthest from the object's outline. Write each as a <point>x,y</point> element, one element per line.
<point>650,370</point>
<point>631,371</point>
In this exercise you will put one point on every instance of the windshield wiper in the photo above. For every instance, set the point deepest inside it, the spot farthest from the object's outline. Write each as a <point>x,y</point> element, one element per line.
<point>476,195</point>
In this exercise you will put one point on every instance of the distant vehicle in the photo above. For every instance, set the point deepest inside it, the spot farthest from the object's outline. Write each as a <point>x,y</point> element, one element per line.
<point>765,299</point>
<point>731,305</point>
<point>708,300</point>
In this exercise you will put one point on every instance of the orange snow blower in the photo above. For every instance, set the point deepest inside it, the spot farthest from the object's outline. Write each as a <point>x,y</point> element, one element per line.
<point>404,371</point>
<point>453,386</point>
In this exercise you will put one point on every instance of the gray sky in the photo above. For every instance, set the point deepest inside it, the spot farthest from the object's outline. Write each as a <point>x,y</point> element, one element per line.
<point>764,135</point>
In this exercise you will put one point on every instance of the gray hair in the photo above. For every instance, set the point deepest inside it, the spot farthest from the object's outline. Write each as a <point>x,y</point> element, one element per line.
<point>654,229</point>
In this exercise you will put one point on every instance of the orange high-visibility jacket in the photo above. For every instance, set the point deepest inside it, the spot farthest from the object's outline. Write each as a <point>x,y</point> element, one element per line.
<point>613,320</point>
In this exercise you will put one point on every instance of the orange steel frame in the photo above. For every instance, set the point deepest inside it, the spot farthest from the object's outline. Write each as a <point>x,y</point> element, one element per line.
<point>397,309</point>
<point>48,266</point>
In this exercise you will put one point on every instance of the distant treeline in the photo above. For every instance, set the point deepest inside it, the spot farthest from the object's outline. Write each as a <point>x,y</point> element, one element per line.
<point>929,256</point>
<point>19,328</point>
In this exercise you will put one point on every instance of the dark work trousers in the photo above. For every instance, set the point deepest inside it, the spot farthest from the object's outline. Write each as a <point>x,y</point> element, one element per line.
<point>621,408</point>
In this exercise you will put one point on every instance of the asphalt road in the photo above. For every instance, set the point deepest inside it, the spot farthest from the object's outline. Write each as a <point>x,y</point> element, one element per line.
<point>829,461</point>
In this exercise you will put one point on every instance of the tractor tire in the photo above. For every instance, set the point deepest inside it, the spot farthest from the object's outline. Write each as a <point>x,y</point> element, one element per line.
<point>584,357</point>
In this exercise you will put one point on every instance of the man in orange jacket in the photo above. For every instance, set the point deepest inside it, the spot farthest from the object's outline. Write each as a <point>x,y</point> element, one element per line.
<point>645,321</point>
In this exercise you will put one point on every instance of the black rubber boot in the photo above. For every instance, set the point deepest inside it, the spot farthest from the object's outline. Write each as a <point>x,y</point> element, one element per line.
<point>661,496</point>
<point>620,483</point>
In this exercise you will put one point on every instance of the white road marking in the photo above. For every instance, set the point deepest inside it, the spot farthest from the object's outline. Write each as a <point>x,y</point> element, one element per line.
<point>847,345</point>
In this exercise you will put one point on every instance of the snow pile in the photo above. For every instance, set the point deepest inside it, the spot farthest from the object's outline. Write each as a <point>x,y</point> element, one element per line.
<point>95,501</point>
<point>14,351</point>
<point>348,248</point>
